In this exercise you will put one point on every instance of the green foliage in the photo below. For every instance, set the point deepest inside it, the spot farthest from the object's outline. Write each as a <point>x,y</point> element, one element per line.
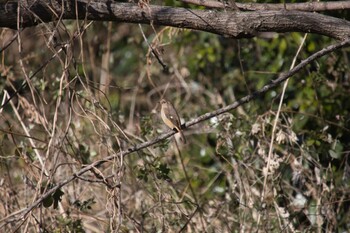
<point>161,171</point>
<point>143,174</point>
<point>85,205</point>
<point>146,126</point>
<point>52,199</point>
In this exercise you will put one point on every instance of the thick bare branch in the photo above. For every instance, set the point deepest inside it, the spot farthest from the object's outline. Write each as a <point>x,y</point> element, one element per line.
<point>233,24</point>
<point>303,6</point>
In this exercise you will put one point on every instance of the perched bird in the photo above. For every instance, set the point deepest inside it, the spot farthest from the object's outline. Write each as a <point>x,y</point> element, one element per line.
<point>171,118</point>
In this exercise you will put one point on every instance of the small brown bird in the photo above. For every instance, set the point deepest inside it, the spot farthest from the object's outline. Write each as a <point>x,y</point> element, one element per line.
<point>171,118</point>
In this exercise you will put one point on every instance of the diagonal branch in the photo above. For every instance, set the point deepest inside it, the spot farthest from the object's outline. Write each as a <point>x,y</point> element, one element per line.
<point>21,214</point>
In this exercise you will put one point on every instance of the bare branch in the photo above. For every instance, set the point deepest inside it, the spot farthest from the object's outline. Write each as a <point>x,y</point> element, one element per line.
<point>23,213</point>
<point>304,6</point>
<point>234,24</point>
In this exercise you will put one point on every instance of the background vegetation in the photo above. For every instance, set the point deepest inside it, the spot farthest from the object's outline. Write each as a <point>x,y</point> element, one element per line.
<point>97,95</point>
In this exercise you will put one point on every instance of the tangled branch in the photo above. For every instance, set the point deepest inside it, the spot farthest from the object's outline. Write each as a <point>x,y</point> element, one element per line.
<point>21,214</point>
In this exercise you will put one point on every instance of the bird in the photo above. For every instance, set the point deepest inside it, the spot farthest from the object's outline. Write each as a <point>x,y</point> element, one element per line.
<point>170,117</point>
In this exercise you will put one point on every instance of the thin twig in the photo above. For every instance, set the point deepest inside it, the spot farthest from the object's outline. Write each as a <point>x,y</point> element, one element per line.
<point>154,52</point>
<point>56,53</point>
<point>190,186</point>
<point>9,43</point>
<point>24,84</point>
<point>30,138</point>
<point>269,157</point>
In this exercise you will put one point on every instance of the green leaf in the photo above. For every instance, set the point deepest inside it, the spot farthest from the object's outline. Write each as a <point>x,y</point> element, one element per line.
<point>47,202</point>
<point>146,126</point>
<point>163,171</point>
<point>337,149</point>
<point>333,154</point>
<point>57,196</point>
<point>310,142</point>
<point>143,174</point>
